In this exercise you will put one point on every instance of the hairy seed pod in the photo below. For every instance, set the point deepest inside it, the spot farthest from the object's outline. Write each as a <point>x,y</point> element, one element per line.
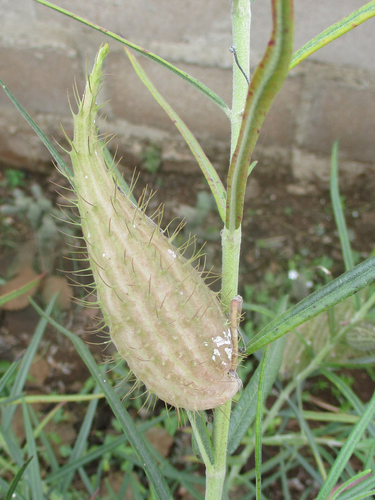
<point>162,317</point>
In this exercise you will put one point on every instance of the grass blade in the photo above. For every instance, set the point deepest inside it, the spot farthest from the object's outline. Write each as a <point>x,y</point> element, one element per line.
<point>284,482</point>
<point>33,473</point>
<point>9,445</point>
<point>347,450</point>
<point>188,78</point>
<point>245,410</point>
<point>331,294</point>
<point>65,170</point>
<point>39,433</point>
<point>20,291</point>
<point>81,440</point>
<point>358,478</point>
<point>206,166</point>
<point>8,374</point>
<point>339,216</point>
<point>16,479</point>
<point>335,31</point>
<point>349,395</point>
<point>258,424</point>
<point>135,438</point>
<point>23,371</point>
<point>305,429</point>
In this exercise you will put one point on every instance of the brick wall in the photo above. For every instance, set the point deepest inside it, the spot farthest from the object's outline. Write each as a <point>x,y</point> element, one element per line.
<point>331,96</point>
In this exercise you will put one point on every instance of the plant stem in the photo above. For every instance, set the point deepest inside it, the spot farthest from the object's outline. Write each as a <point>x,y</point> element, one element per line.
<point>231,246</point>
<point>241,19</point>
<point>231,240</point>
<point>216,476</point>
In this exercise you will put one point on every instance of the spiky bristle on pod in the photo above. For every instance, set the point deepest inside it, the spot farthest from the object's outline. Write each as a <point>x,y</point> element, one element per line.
<point>163,319</point>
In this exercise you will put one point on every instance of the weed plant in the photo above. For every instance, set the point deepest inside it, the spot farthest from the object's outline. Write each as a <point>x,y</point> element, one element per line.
<point>337,455</point>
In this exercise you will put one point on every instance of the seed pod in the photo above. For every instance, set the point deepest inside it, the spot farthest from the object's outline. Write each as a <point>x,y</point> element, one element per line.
<point>162,317</point>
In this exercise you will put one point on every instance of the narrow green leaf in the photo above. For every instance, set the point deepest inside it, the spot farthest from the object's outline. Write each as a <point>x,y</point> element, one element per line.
<point>362,496</point>
<point>337,209</point>
<point>360,490</point>
<point>39,433</point>
<point>259,309</point>
<point>369,463</point>
<point>8,374</point>
<point>305,464</point>
<point>25,364</point>
<point>135,438</point>
<point>202,437</point>
<point>65,170</point>
<point>245,410</point>
<point>101,450</point>
<point>87,458</point>
<point>284,481</point>
<point>351,397</point>
<point>188,78</point>
<point>33,473</point>
<point>335,31</point>
<point>81,440</point>
<point>20,291</point>
<point>305,429</point>
<point>208,170</point>
<point>331,294</point>
<point>10,445</point>
<point>266,83</point>
<point>258,423</point>
<point>351,482</point>
<point>347,450</point>
<point>339,216</point>
<point>16,479</point>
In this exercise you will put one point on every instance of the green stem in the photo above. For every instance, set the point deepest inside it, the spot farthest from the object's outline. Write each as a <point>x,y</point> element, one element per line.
<point>241,21</point>
<point>231,241</point>
<point>231,245</point>
<point>216,476</point>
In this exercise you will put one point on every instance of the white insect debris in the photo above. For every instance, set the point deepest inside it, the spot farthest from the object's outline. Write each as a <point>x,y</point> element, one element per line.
<point>229,352</point>
<point>216,353</point>
<point>86,176</point>
<point>219,341</point>
<point>172,253</point>
<point>103,254</point>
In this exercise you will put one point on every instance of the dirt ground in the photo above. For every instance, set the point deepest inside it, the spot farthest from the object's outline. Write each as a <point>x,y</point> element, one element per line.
<point>278,228</point>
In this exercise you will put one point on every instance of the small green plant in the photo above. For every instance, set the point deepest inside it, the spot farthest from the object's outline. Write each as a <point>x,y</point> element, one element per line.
<point>46,220</point>
<point>14,178</point>
<point>151,158</point>
<point>139,277</point>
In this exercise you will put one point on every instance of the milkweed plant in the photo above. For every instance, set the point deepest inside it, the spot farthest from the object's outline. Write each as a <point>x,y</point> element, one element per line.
<point>179,338</point>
